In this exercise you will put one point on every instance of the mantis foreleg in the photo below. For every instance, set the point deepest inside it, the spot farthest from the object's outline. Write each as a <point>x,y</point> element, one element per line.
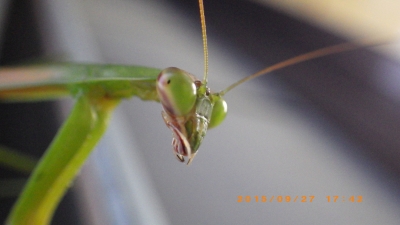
<point>62,161</point>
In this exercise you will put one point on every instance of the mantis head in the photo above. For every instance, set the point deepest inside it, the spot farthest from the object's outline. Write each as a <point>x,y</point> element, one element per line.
<point>189,109</point>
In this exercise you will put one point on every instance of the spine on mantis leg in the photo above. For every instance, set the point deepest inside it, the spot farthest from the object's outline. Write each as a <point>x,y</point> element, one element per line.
<point>62,161</point>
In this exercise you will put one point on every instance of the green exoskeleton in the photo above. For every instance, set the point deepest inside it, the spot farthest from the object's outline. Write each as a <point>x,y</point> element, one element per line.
<point>189,109</point>
<point>189,106</point>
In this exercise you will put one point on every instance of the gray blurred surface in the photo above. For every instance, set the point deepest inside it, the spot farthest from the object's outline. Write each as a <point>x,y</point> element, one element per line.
<point>272,143</point>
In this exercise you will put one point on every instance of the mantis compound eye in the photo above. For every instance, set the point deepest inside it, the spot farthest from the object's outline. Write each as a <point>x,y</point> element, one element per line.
<point>219,111</point>
<point>177,91</point>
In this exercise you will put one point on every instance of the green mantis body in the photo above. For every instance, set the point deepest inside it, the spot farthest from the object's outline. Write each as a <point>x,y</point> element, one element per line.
<point>98,89</point>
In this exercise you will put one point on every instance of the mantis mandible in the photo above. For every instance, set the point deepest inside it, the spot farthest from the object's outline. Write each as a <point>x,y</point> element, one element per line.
<point>98,90</point>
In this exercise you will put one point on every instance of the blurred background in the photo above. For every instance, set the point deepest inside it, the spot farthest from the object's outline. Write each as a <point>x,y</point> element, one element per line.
<point>328,127</point>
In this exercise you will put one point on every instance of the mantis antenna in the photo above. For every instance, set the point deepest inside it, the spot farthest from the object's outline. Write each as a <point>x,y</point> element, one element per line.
<point>295,60</point>
<point>348,46</point>
<point>292,61</point>
<point>204,35</point>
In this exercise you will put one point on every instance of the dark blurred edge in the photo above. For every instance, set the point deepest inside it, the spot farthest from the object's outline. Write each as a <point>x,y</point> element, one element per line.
<point>338,86</point>
<point>28,127</point>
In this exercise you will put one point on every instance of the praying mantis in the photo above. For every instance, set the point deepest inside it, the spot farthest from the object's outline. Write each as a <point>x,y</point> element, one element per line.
<point>102,106</point>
